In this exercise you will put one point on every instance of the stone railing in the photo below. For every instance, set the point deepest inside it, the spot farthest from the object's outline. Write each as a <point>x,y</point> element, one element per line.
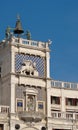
<point>64,115</point>
<point>38,44</point>
<point>4,112</point>
<point>61,84</point>
<point>4,109</point>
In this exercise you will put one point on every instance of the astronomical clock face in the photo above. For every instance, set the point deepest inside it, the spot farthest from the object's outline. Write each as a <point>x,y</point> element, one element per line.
<point>39,63</point>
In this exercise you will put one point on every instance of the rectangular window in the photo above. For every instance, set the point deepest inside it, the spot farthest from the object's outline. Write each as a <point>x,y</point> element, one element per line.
<point>19,105</point>
<point>41,106</point>
<point>0,72</point>
<point>1,127</point>
<point>71,101</point>
<point>0,69</point>
<point>76,102</point>
<point>55,100</point>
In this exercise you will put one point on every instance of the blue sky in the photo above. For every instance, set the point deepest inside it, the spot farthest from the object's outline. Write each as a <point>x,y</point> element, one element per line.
<point>48,19</point>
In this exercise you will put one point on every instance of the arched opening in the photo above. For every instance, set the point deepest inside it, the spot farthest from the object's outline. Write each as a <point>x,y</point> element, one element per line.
<point>29,128</point>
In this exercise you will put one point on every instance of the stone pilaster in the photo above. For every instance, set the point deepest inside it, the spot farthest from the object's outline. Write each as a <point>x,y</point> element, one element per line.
<point>47,65</point>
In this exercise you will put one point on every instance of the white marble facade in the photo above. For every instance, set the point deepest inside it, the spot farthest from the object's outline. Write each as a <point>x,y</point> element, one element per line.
<point>29,98</point>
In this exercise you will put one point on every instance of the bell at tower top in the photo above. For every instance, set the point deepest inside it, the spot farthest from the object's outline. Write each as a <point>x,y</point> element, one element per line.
<point>18,28</point>
<point>24,39</point>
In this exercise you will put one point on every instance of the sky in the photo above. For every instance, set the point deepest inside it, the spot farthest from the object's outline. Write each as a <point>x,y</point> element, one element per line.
<point>56,20</point>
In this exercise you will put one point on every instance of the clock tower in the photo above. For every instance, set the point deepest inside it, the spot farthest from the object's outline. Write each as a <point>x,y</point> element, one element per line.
<point>24,76</point>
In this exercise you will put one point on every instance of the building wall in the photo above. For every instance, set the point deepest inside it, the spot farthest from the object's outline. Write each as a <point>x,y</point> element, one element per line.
<point>25,80</point>
<point>5,59</point>
<point>28,84</point>
<point>62,115</point>
<point>63,94</point>
<point>5,65</point>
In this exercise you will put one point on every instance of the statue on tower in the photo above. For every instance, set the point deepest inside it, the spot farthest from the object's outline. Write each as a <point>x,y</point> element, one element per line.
<point>28,35</point>
<point>7,32</point>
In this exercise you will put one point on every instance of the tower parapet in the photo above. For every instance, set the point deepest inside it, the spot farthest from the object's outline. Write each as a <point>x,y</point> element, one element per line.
<point>31,43</point>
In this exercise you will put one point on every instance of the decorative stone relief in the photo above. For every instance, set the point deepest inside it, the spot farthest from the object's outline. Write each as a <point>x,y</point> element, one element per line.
<point>29,68</point>
<point>37,64</point>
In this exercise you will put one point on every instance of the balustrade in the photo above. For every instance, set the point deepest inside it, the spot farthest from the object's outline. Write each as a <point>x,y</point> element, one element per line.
<point>4,109</point>
<point>4,112</point>
<point>64,115</point>
<point>30,42</point>
<point>61,84</point>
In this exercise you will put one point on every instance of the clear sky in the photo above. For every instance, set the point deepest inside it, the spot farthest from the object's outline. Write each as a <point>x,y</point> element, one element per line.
<point>48,19</point>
